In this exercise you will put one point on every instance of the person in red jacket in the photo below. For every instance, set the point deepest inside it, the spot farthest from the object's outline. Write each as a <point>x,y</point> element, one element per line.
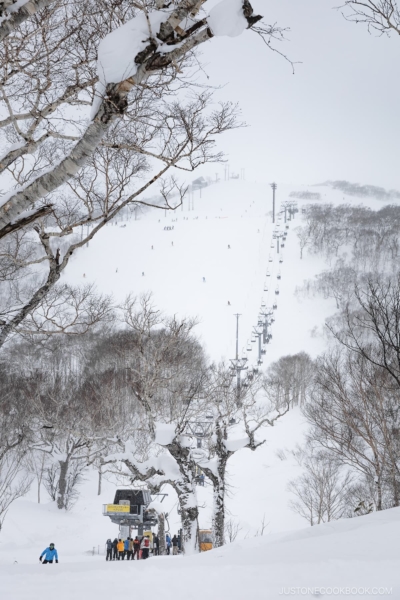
<point>145,546</point>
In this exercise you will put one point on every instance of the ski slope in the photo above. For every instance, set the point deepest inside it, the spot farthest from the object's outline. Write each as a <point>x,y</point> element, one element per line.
<point>231,213</point>
<point>174,262</point>
<point>342,559</point>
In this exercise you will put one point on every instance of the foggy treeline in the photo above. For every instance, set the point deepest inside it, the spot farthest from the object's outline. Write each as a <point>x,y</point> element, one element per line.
<point>352,456</point>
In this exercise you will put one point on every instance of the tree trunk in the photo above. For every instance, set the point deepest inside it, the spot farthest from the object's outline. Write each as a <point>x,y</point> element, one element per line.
<point>161,533</point>
<point>99,481</point>
<point>189,517</point>
<point>218,520</point>
<point>62,484</point>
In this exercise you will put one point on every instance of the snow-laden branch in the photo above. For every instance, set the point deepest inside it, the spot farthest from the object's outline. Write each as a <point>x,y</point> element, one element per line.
<point>128,56</point>
<point>14,13</point>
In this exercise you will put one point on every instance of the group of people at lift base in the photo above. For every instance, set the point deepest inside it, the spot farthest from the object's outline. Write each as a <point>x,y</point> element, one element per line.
<point>140,547</point>
<point>129,548</point>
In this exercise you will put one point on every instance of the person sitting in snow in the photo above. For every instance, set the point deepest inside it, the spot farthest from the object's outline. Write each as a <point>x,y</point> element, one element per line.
<point>49,554</point>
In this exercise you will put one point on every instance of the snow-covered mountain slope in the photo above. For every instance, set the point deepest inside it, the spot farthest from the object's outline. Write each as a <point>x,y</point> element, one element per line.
<point>235,214</point>
<point>341,559</point>
<point>174,262</point>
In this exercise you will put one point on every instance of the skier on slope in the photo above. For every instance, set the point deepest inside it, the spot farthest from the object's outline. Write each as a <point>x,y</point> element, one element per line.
<point>49,554</point>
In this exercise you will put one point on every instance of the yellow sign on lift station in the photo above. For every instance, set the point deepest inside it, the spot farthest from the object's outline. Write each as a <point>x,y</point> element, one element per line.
<point>117,508</point>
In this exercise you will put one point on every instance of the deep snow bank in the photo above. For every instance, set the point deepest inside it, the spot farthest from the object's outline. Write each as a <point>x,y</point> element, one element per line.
<point>354,554</point>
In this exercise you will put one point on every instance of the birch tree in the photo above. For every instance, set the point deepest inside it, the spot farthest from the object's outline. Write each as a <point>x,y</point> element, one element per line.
<point>130,64</point>
<point>235,427</point>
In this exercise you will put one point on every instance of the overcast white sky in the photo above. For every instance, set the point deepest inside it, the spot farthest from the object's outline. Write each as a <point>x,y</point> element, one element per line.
<point>336,118</point>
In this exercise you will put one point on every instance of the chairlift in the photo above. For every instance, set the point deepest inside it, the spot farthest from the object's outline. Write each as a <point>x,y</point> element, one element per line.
<point>277,291</point>
<point>259,362</point>
<point>253,339</point>
<point>265,287</point>
<point>279,276</point>
<point>274,306</point>
<point>270,258</point>
<point>281,260</point>
<point>263,351</point>
<point>268,274</point>
<point>282,245</point>
<point>287,226</point>
<point>248,347</point>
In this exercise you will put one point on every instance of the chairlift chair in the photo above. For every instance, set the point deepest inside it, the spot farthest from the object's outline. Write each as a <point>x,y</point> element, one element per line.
<point>263,351</point>
<point>268,274</point>
<point>279,276</point>
<point>277,291</point>
<point>265,287</point>
<point>248,348</point>
<point>270,258</point>
<point>281,260</point>
<point>282,245</point>
<point>274,306</point>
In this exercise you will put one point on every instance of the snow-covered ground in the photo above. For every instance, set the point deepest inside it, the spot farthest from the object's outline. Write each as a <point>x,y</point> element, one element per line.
<point>343,559</point>
<point>358,552</point>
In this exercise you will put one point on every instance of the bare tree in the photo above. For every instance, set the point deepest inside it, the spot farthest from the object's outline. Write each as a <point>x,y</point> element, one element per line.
<point>370,327</point>
<point>232,530</point>
<point>289,380</point>
<point>354,414</point>
<point>245,419</point>
<point>165,368</point>
<point>13,483</point>
<point>382,16</point>
<point>322,490</point>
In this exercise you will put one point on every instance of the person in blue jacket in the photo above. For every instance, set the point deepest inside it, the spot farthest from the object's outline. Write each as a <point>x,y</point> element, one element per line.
<point>49,555</point>
<point>168,542</point>
<point>126,548</point>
